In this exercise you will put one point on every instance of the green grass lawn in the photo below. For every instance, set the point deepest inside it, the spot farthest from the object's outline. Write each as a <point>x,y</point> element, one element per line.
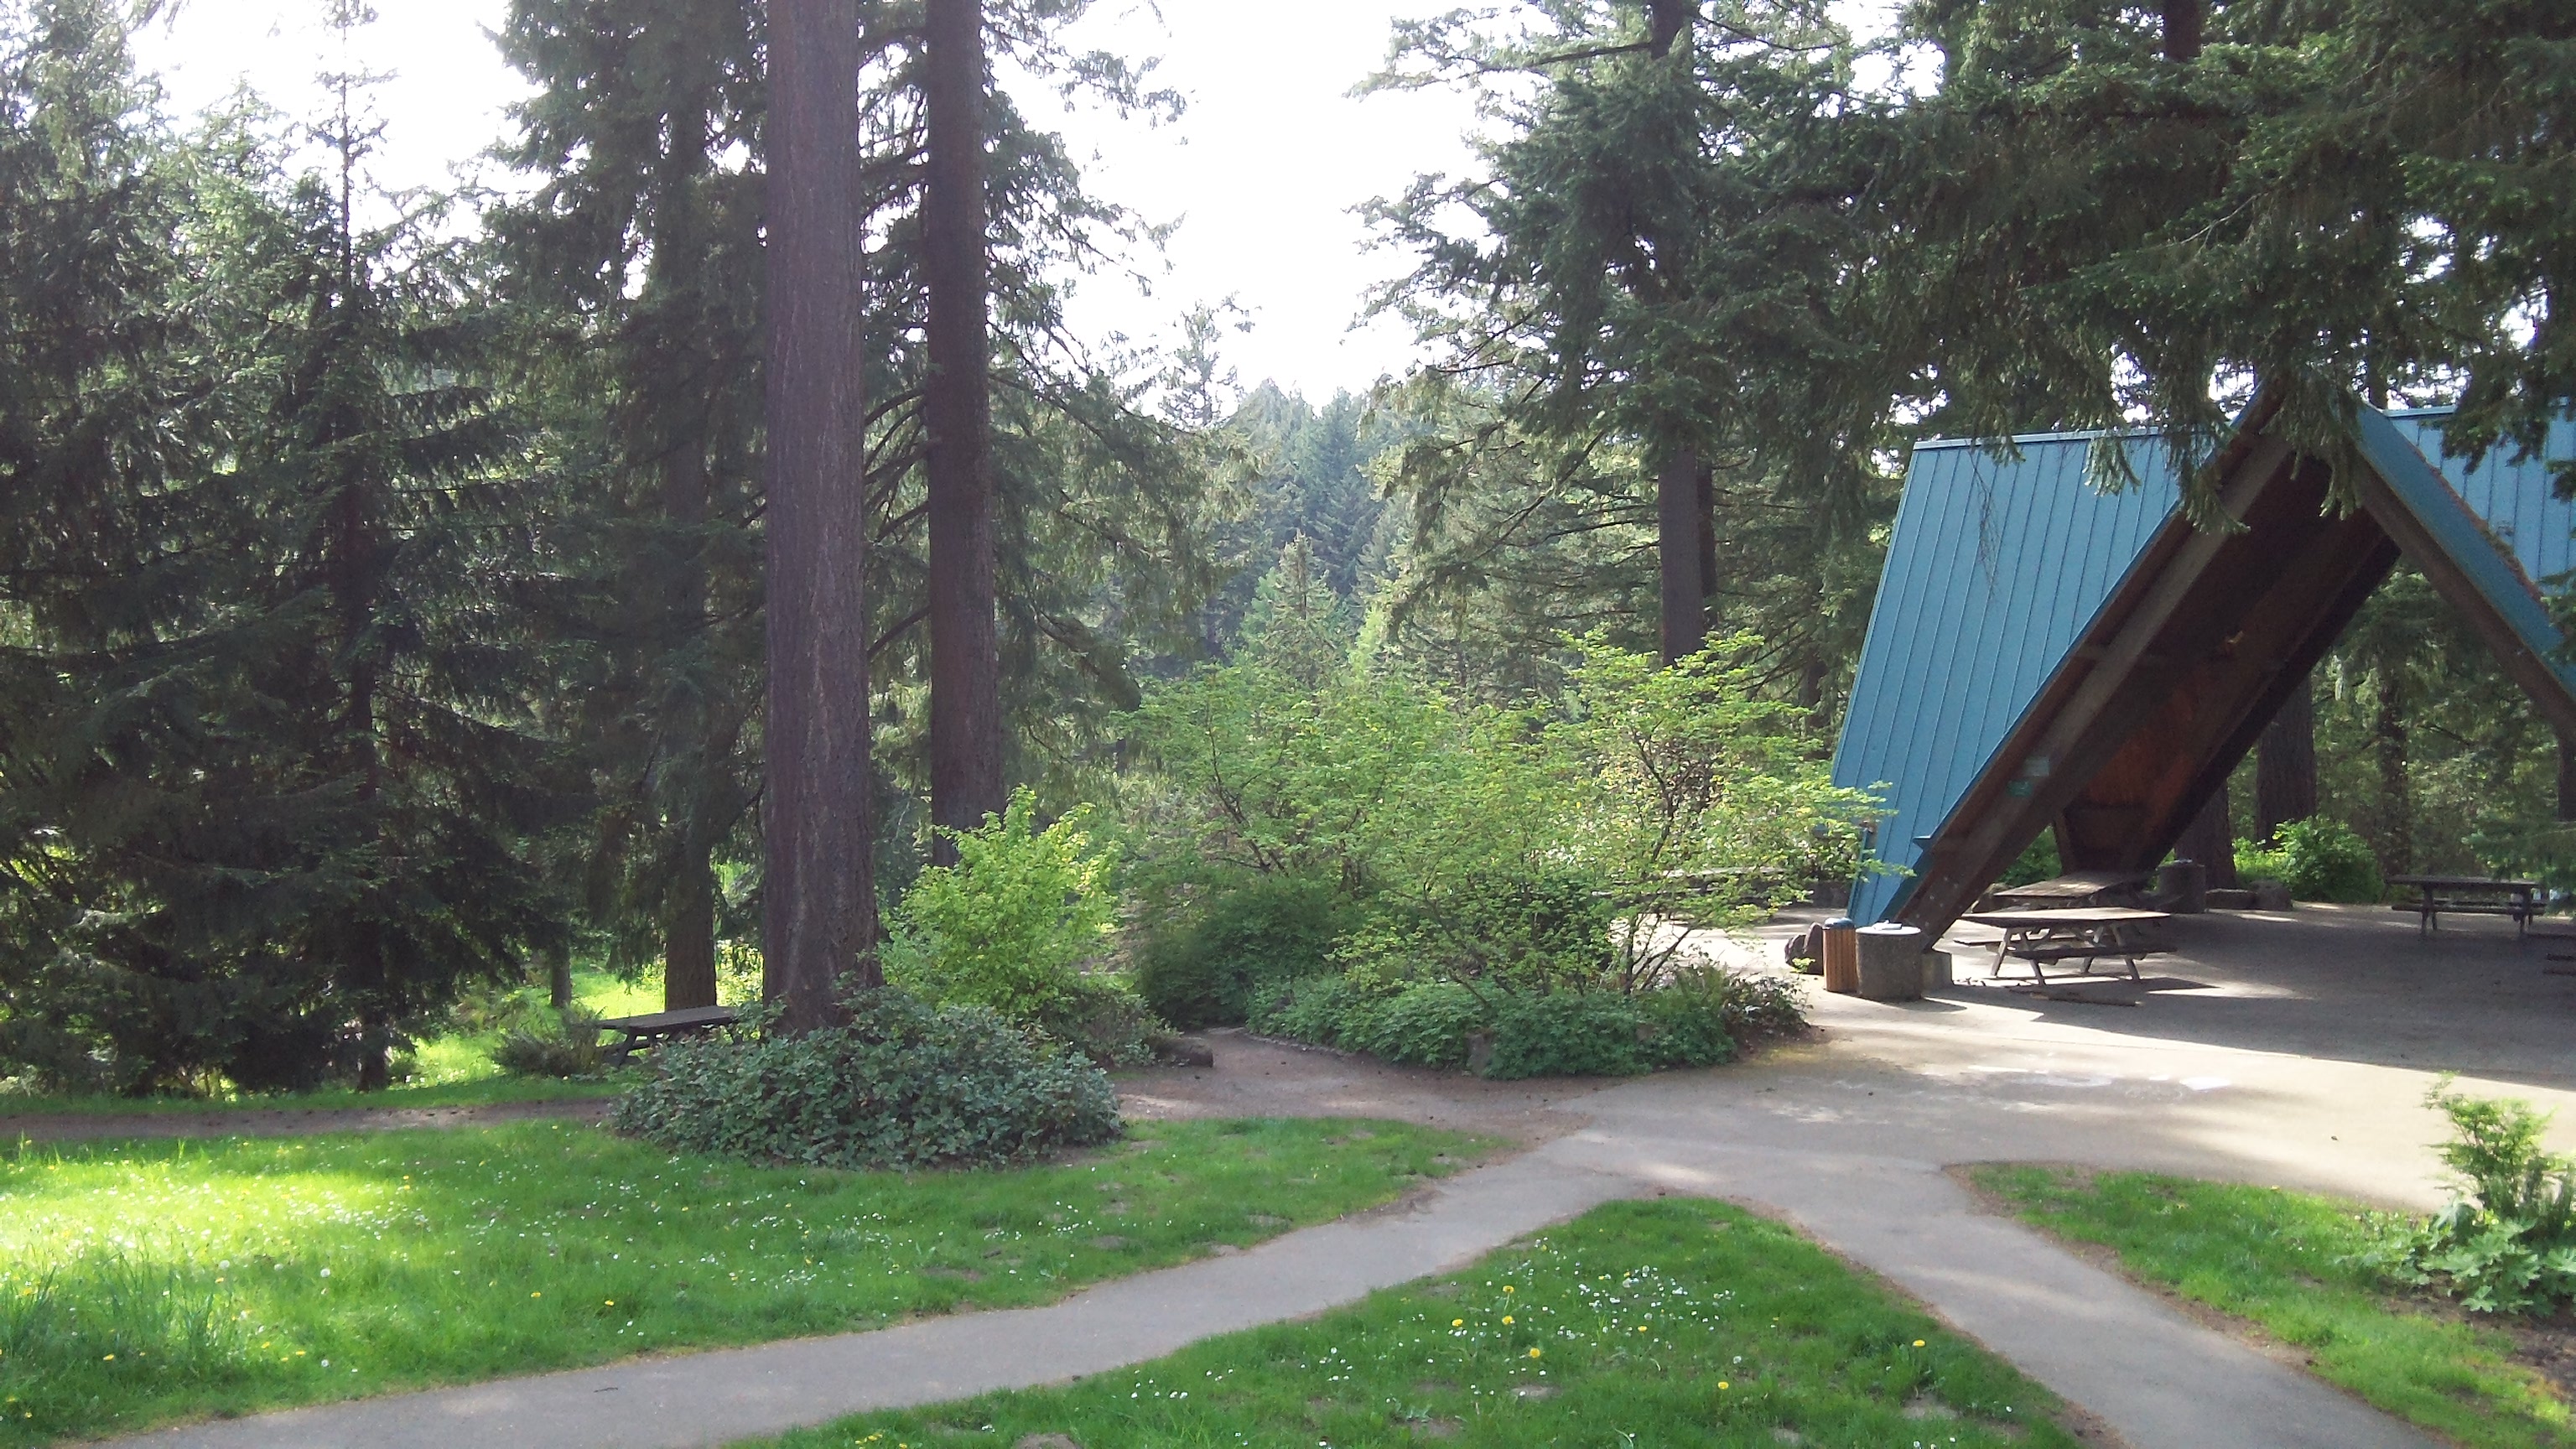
<point>1652,1324</point>
<point>2276,1259</point>
<point>451,1070</point>
<point>141,1282</point>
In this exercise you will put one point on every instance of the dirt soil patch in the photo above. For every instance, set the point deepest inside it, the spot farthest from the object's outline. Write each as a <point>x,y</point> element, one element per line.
<point>1262,1077</point>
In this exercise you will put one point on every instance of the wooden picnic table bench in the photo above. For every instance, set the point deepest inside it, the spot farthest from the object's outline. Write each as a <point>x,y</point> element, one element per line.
<point>2468,895</point>
<point>2075,888</point>
<point>639,1033</point>
<point>2091,932</point>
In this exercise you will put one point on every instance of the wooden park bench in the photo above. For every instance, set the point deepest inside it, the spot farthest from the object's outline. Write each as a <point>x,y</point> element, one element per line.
<point>642,1033</point>
<point>2089,932</point>
<point>2467,895</point>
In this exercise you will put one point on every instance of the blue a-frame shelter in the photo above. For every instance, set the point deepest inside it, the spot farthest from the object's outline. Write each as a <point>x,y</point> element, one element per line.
<point>2046,656</point>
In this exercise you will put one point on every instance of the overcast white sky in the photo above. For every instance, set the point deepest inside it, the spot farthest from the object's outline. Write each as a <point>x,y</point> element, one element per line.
<point>1263,170</point>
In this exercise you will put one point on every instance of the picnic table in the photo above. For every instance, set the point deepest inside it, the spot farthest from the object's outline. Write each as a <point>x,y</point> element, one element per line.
<point>2075,888</point>
<point>638,1033</point>
<point>2092,932</point>
<point>2468,895</point>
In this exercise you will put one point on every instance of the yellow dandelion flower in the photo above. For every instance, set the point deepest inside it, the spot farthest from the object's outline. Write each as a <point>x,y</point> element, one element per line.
<point>1723,1384</point>
<point>111,1358</point>
<point>1457,1323</point>
<point>1507,1318</point>
<point>1533,1353</point>
<point>1918,1343</point>
<point>536,1295</point>
<point>1507,1287</point>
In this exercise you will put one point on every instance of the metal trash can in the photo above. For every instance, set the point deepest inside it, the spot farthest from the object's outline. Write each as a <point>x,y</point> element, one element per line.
<point>1842,955</point>
<point>1891,963</point>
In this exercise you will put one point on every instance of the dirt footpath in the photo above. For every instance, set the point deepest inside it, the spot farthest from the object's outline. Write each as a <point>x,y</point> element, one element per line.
<point>1260,1077</point>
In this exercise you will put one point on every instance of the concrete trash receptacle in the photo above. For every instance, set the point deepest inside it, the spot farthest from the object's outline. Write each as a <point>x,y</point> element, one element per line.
<point>1841,951</point>
<point>1891,963</point>
<point>2183,887</point>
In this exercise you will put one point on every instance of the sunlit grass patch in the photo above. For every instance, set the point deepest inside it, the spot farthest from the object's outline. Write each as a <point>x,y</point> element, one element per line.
<point>145,1281</point>
<point>2281,1261</point>
<point>1654,1323</point>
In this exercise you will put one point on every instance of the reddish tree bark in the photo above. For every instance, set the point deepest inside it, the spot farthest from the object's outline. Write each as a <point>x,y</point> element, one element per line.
<point>2285,771</point>
<point>965,660</point>
<point>2183,21</point>
<point>1677,540</point>
<point>2211,840</point>
<point>819,894</point>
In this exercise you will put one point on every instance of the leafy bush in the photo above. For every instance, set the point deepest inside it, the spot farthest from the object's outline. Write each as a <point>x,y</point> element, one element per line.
<point>1426,1024</point>
<point>1313,1008</point>
<point>2319,859</point>
<point>1104,1019</point>
<point>1529,848</point>
<point>571,1050</point>
<point>1201,967</point>
<point>1010,925</point>
<point>2507,1244</point>
<point>2040,861</point>
<point>902,1084</point>
<point>1567,1034</point>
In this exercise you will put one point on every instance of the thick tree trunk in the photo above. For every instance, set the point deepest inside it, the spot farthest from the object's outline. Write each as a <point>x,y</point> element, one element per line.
<point>1666,21</point>
<point>2285,768</point>
<point>2211,840</point>
<point>965,662</point>
<point>2183,21</point>
<point>819,891</point>
<point>559,977</point>
<point>689,934</point>
<point>1677,538</point>
<point>2396,803</point>
<point>2566,778</point>
<point>1707,507</point>
<point>677,426</point>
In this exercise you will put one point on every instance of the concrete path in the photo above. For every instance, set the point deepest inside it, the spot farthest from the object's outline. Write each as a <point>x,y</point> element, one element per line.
<point>1848,1139</point>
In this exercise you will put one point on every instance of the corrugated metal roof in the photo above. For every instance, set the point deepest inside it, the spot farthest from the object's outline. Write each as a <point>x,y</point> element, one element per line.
<point>1999,565</point>
<point>2520,509</point>
<point>1996,567</point>
<point>2511,489</point>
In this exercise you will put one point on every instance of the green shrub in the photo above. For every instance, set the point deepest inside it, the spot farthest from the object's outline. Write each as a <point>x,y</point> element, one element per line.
<point>2507,1244</point>
<point>1202,966</point>
<point>1104,1019</point>
<point>902,1084</point>
<point>1010,925</point>
<point>1567,1034</point>
<point>1691,1022</point>
<point>1426,1024</point>
<point>2037,862</point>
<point>1313,1008</point>
<point>572,1049</point>
<point>2319,859</point>
<point>1531,931</point>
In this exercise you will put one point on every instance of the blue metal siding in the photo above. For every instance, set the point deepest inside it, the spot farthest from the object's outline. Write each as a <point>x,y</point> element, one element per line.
<point>1996,568</point>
